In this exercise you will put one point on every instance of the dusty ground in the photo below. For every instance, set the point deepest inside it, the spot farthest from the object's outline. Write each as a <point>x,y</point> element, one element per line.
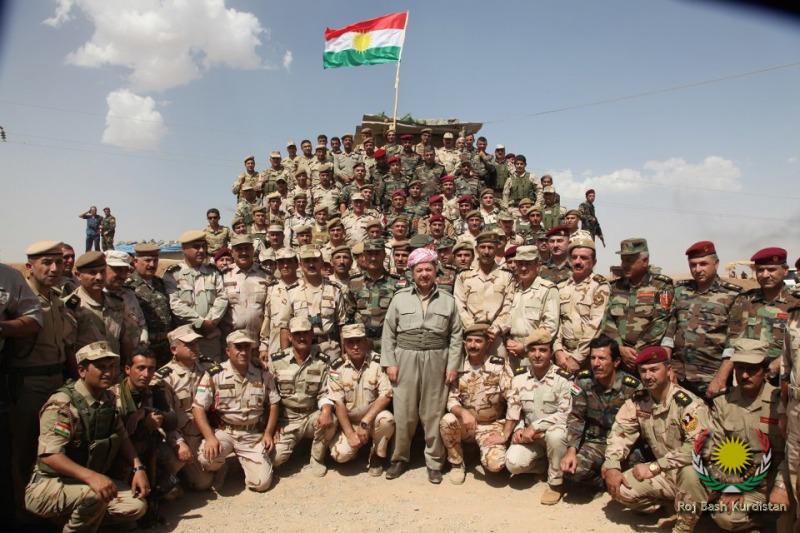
<point>347,499</point>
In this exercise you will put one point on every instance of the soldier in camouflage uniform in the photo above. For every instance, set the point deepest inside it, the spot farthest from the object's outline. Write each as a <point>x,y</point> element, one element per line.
<point>556,268</point>
<point>302,374</point>
<point>245,285</point>
<point>217,235</point>
<point>416,205</point>
<point>395,181</point>
<point>481,407</point>
<point>361,394</point>
<point>196,293</point>
<point>249,177</point>
<point>763,313</point>
<point>409,159</point>
<point>436,207</point>
<point>391,147</point>
<point>247,204</point>
<point>429,173</point>
<point>669,418</point>
<point>424,141</point>
<point>698,327</point>
<point>152,296</point>
<point>345,161</point>
<point>597,395</point>
<point>640,304</point>
<point>268,178</point>
<point>448,155</point>
<point>589,220</point>
<point>520,185</point>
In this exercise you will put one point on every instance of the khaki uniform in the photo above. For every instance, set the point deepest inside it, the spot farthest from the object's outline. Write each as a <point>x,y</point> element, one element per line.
<point>736,416</point>
<point>291,166</point>
<point>276,301</point>
<point>449,157</point>
<point>343,165</point>
<point>289,237</point>
<point>356,389</point>
<point>323,306</point>
<point>217,238</point>
<point>303,390</point>
<point>268,179</point>
<point>326,196</point>
<point>669,428</point>
<point>240,402</point>
<point>422,337</point>
<point>57,497</point>
<point>180,385</point>
<point>484,298</point>
<point>246,291</point>
<point>487,394</point>
<point>546,403</point>
<point>195,295</point>
<point>107,321</point>
<point>533,308</point>
<point>245,179</point>
<point>354,225</point>
<point>583,306</point>
<point>790,375</point>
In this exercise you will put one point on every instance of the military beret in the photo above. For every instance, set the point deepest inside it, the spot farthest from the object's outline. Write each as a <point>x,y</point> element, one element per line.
<point>341,248</point>
<point>357,196</point>
<point>398,192</point>
<point>401,245</point>
<point>309,251</point>
<point>435,198</point>
<point>394,159</point>
<point>275,154</point>
<point>249,158</point>
<point>426,130</point>
<point>358,248</point>
<point>354,331</point>
<point>632,246</point>
<point>538,336</point>
<point>420,240</point>
<point>325,167</point>
<point>651,355</point>
<point>238,240</point>
<point>239,336</point>
<point>527,253</point>
<point>191,236</point>
<point>222,252</point>
<point>511,251</point>
<point>302,228</point>
<point>146,248</point>
<point>447,179</point>
<point>290,143</point>
<point>447,135</point>
<point>701,249</point>
<point>380,152</point>
<point>406,137</point>
<point>573,212</point>
<point>299,323</point>
<point>260,209</point>
<point>444,243</point>
<point>300,194</point>
<point>301,171</point>
<point>185,333</point>
<point>525,201</point>
<point>40,248</point>
<point>590,191</point>
<point>465,198</point>
<point>770,256</point>
<point>372,223</point>
<point>504,216</point>
<point>477,329</point>
<point>375,245</point>
<point>436,218</point>
<point>322,206</point>
<point>486,236</point>
<point>90,260</point>
<point>117,258</point>
<point>581,241</point>
<point>285,254</point>
<point>366,131</point>
<point>487,190</point>
<point>94,351</point>
<point>474,213</point>
<point>534,210</point>
<point>335,221</point>
<point>463,245</point>
<point>274,228</point>
<point>559,230</point>
<point>398,218</point>
<point>749,351</point>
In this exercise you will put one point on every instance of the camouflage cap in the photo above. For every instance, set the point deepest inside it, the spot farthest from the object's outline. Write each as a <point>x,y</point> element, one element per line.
<point>335,221</point>
<point>302,228</point>
<point>549,190</point>
<point>249,158</point>
<point>238,240</point>
<point>43,248</point>
<point>447,135</point>
<point>375,245</point>
<point>581,241</point>
<point>358,248</point>
<point>117,258</point>
<point>290,143</point>
<point>275,154</point>
<point>285,253</point>
<point>298,324</point>
<point>247,187</point>
<point>527,253</point>
<point>445,242</point>
<point>325,167</point>
<point>301,171</point>
<point>94,351</point>
<point>239,336</point>
<point>505,216</point>
<point>185,333</point>
<point>309,251</point>
<point>420,240</point>
<point>632,246</point>
<point>749,351</point>
<point>266,254</point>
<point>354,331</point>
<point>538,336</point>
<point>274,195</point>
<point>322,206</point>
<point>372,223</point>
<point>357,196</point>
<point>398,218</point>
<point>146,248</point>
<point>573,212</point>
<point>90,260</point>
<point>260,209</point>
<point>274,228</point>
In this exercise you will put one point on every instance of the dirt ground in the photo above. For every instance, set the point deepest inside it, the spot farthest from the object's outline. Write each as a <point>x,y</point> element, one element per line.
<point>347,499</point>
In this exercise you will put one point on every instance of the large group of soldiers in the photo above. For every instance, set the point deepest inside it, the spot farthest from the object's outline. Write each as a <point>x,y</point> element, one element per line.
<point>361,293</point>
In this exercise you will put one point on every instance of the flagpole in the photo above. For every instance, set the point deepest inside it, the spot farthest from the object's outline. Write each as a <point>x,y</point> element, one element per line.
<point>397,78</point>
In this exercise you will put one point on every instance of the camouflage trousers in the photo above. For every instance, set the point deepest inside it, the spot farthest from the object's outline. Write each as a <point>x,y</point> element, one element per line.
<point>680,486</point>
<point>493,457</point>
<point>530,458</point>
<point>380,432</point>
<point>590,456</point>
<point>51,498</point>
<point>293,431</point>
<point>249,449</point>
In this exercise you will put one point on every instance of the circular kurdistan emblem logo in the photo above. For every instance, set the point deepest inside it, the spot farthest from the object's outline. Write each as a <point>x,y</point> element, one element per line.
<point>732,456</point>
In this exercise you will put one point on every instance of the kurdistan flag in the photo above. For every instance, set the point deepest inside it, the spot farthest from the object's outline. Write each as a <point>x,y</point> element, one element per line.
<point>369,42</point>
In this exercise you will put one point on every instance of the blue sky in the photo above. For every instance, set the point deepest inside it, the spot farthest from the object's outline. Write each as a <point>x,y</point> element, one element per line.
<point>718,161</point>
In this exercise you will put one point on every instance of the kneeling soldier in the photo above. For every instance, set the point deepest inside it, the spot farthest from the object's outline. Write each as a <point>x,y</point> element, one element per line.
<point>482,407</point>
<point>239,395</point>
<point>80,435</point>
<point>544,392</point>
<point>361,394</point>
<point>301,372</point>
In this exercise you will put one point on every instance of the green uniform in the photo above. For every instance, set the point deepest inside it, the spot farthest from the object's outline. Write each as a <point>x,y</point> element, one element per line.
<point>752,317</point>
<point>154,302</point>
<point>372,298</point>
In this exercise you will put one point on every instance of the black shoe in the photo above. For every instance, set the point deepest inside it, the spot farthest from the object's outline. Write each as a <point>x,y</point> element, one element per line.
<point>396,470</point>
<point>434,476</point>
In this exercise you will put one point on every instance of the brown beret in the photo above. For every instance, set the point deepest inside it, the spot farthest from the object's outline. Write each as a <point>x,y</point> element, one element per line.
<point>90,260</point>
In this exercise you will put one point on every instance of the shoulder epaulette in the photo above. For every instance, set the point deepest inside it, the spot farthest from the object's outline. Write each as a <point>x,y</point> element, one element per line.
<point>663,278</point>
<point>450,267</point>
<point>682,399</point>
<point>564,373</point>
<point>583,374</point>
<point>292,286</point>
<point>72,301</point>
<point>357,277</point>
<point>376,357</point>
<point>546,282</point>
<point>599,278</point>
<point>322,357</point>
<point>272,282</point>
<point>738,289</point>
<point>337,364</point>
<point>631,381</point>
<point>205,359</point>
<point>164,371</point>
<point>173,267</point>
<point>497,360</point>
<point>683,282</point>
<point>520,370</point>
<point>640,394</point>
<point>279,355</point>
<point>214,369</point>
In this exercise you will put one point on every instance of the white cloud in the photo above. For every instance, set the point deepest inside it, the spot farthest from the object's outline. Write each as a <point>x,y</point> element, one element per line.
<point>133,121</point>
<point>713,172</point>
<point>287,59</point>
<point>61,15</point>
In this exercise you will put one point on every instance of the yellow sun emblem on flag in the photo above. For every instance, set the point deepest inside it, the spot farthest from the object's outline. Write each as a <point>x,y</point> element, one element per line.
<point>732,455</point>
<point>361,41</point>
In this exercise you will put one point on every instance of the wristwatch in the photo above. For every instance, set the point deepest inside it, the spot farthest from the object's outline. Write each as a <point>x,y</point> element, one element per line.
<point>364,424</point>
<point>654,468</point>
<point>140,468</point>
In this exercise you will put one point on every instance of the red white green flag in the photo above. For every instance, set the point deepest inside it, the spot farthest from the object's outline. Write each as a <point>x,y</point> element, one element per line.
<point>369,42</point>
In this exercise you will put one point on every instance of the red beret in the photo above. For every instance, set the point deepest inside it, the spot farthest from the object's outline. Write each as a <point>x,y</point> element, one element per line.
<point>435,218</point>
<point>435,198</point>
<point>394,159</point>
<point>380,152</point>
<point>562,230</point>
<point>701,249</point>
<point>770,256</point>
<point>652,354</point>
<point>222,252</point>
<point>407,137</point>
<point>590,191</point>
<point>465,198</point>
<point>511,251</point>
<point>399,192</point>
<point>447,178</point>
